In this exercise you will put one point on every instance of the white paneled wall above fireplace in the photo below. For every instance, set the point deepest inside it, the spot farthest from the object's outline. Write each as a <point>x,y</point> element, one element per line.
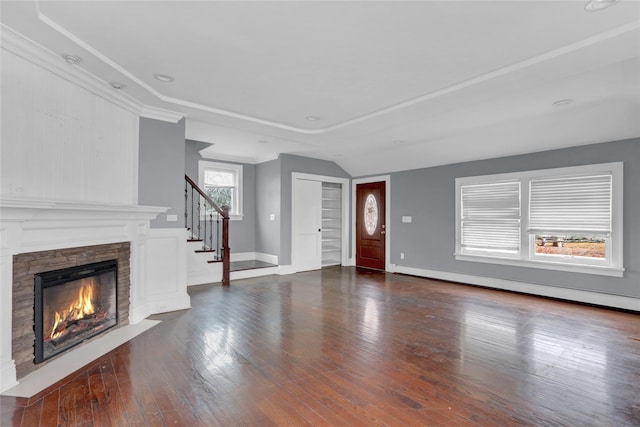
<point>69,178</point>
<point>61,142</point>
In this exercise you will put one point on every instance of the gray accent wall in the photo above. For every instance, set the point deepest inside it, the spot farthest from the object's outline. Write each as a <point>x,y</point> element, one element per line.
<point>160,173</point>
<point>241,231</point>
<point>292,163</point>
<point>268,200</point>
<point>428,195</point>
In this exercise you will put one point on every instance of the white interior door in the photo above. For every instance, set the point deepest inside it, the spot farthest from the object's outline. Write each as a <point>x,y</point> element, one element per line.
<point>307,225</point>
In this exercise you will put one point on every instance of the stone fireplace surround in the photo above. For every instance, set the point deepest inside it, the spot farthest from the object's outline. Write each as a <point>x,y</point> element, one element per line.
<point>25,266</point>
<point>52,235</point>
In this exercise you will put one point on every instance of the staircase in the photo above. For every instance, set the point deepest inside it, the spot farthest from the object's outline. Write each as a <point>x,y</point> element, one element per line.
<point>208,234</point>
<point>208,254</point>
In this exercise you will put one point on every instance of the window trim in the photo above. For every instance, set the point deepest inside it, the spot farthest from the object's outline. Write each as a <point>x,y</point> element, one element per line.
<point>237,169</point>
<point>614,264</point>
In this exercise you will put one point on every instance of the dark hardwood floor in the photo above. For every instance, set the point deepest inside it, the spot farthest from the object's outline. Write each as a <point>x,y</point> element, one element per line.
<point>349,347</point>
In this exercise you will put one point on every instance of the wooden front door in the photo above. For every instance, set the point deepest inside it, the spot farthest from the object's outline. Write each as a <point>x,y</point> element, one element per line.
<point>370,225</point>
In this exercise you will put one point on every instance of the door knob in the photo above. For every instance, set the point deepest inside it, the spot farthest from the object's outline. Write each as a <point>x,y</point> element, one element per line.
<point>383,232</point>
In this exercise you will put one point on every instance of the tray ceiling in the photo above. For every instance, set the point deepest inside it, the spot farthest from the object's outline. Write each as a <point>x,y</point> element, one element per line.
<point>393,85</point>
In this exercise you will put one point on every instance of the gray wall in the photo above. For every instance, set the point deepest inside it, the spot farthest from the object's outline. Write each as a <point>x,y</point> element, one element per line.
<point>268,200</point>
<point>241,232</point>
<point>160,172</point>
<point>428,195</point>
<point>292,163</point>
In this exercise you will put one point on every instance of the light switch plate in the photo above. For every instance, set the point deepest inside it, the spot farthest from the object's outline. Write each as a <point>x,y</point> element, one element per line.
<point>406,219</point>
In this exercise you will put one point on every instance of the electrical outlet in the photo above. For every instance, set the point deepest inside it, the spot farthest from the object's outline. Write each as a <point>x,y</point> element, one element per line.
<point>401,255</point>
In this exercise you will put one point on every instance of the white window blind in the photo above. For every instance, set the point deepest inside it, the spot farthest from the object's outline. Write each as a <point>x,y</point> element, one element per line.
<point>219,178</point>
<point>490,217</point>
<point>579,204</point>
<point>222,182</point>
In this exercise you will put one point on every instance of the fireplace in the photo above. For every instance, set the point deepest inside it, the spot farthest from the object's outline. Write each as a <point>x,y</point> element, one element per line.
<point>72,305</point>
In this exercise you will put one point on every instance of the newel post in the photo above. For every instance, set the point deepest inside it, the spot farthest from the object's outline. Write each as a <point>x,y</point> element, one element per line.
<point>226,254</point>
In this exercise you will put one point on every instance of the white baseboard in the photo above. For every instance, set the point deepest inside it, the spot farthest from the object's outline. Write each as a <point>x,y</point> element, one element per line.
<point>271,259</point>
<point>249,256</point>
<point>243,256</point>
<point>175,302</point>
<point>139,313</point>
<point>7,375</point>
<point>283,270</point>
<point>608,300</point>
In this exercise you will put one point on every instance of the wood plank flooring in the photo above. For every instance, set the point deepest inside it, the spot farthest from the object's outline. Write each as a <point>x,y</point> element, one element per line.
<point>350,347</point>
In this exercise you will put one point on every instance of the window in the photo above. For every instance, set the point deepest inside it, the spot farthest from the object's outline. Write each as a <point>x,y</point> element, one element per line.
<point>222,182</point>
<point>565,219</point>
<point>490,221</point>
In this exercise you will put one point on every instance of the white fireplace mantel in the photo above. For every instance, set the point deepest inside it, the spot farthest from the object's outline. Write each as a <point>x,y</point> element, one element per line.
<point>158,256</point>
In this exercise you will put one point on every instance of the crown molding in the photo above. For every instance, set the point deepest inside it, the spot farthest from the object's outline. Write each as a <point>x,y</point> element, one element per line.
<point>238,159</point>
<point>27,49</point>
<point>267,158</point>
<point>37,54</point>
<point>161,114</point>
<point>508,69</point>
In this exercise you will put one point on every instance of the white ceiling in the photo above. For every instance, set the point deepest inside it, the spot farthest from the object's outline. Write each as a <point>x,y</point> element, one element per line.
<point>396,85</point>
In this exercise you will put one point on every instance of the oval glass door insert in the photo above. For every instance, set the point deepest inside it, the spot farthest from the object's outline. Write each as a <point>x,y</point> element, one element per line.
<point>370,214</point>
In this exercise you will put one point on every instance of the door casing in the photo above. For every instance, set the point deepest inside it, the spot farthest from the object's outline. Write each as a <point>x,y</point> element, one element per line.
<point>354,182</point>
<point>346,194</point>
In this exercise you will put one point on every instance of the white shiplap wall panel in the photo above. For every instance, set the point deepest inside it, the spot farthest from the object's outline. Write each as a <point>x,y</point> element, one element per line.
<point>61,142</point>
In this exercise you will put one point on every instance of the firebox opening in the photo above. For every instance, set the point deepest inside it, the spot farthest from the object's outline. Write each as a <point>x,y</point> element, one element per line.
<point>73,305</point>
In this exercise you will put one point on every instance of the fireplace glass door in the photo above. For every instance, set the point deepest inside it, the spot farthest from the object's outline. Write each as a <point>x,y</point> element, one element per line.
<point>73,305</point>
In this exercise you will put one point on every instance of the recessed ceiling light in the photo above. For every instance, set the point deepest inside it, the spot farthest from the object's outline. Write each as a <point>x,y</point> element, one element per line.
<point>398,142</point>
<point>313,118</point>
<point>163,78</point>
<point>562,102</point>
<point>596,5</point>
<point>263,141</point>
<point>116,85</point>
<point>71,59</point>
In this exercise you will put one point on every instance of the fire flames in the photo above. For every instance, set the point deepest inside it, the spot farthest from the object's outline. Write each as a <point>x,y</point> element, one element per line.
<point>78,309</point>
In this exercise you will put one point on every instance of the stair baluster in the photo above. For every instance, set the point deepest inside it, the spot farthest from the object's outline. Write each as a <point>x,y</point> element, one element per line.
<point>205,208</point>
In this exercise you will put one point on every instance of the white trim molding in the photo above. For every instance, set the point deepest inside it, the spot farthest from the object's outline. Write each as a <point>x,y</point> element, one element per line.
<point>597,298</point>
<point>161,114</point>
<point>258,256</point>
<point>207,154</point>
<point>16,43</point>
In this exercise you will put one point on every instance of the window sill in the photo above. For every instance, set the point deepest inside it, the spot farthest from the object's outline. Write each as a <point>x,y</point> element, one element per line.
<point>574,268</point>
